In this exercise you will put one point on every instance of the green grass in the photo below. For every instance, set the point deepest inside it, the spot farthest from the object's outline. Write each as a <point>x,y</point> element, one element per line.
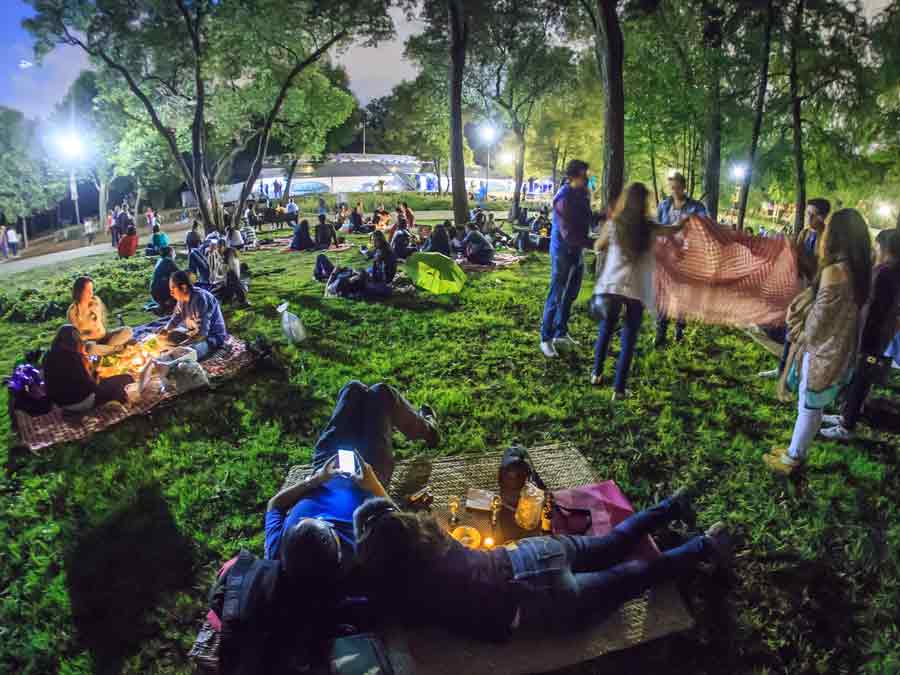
<point>108,546</point>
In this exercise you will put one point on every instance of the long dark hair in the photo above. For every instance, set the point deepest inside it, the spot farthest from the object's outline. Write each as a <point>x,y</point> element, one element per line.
<point>634,228</point>
<point>68,339</point>
<point>183,279</point>
<point>380,242</point>
<point>847,239</point>
<point>79,286</point>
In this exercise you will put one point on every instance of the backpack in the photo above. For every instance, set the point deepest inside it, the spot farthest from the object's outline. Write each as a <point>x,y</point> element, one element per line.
<point>28,391</point>
<point>241,603</point>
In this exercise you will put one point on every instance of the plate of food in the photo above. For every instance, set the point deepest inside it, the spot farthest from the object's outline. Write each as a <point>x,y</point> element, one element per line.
<point>467,536</point>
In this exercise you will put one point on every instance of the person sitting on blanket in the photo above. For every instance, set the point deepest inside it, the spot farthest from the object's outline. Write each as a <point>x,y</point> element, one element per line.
<point>309,526</point>
<point>477,249</point>
<point>302,241</point>
<point>157,242</point>
<point>402,241</point>
<point>414,570</point>
<point>197,313</point>
<point>215,258</point>
<point>235,239</point>
<point>193,238</point>
<point>128,245</point>
<point>495,234</point>
<point>326,237</point>
<point>439,241</point>
<point>159,286</point>
<point>233,288</point>
<point>88,314</point>
<point>71,382</point>
<point>198,265</point>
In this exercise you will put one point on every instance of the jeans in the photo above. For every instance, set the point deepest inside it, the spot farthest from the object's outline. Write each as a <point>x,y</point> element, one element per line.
<point>634,311</point>
<point>323,268</point>
<point>570,578</point>
<point>809,420</point>
<point>480,257</point>
<point>784,355</point>
<point>13,249</point>
<point>662,328</point>
<point>364,419</point>
<point>206,347</point>
<point>566,273</point>
<point>857,392</point>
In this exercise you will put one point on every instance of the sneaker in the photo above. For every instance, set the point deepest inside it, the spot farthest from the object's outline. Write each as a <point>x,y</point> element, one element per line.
<point>781,463</point>
<point>720,544</point>
<point>619,395</point>
<point>833,420</point>
<point>549,350</point>
<point>596,380</point>
<point>565,342</point>
<point>768,374</point>
<point>681,499</point>
<point>837,433</point>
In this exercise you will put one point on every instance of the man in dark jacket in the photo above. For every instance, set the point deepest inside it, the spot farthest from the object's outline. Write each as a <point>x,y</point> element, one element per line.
<point>570,235</point>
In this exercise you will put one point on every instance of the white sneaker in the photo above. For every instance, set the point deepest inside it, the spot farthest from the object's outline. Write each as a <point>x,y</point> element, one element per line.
<point>833,420</point>
<point>769,374</point>
<point>549,350</point>
<point>565,342</point>
<point>596,380</point>
<point>838,433</point>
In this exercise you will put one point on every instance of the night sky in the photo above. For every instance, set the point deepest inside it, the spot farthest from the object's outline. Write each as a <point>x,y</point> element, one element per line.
<point>373,72</point>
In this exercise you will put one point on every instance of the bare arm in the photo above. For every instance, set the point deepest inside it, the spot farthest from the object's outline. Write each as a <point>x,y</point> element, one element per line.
<point>285,499</point>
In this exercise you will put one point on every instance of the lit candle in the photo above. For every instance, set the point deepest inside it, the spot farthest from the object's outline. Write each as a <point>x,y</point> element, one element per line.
<point>488,542</point>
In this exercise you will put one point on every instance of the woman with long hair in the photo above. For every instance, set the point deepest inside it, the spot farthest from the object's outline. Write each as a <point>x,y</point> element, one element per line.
<point>71,382</point>
<point>415,570</point>
<point>233,288</point>
<point>827,347</point>
<point>627,279</point>
<point>88,315</point>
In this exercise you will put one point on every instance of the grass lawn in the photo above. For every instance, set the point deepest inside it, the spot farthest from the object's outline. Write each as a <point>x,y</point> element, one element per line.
<point>108,547</point>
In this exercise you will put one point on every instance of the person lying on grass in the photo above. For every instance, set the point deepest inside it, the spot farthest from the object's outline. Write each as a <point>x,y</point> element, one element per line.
<point>197,314</point>
<point>72,383</point>
<point>414,570</point>
<point>309,526</point>
<point>88,314</point>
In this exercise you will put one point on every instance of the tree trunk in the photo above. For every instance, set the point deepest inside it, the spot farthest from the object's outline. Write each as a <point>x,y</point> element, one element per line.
<point>653,166</point>
<point>288,181</point>
<point>139,191</point>
<point>610,52</point>
<point>796,104</point>
<point>555,164</point>
<point>459,37</point>
<point>24,231</point>
<point>714,144</point>
<point>758,115</point>
<point>520,175</point>
<point>102,199</point>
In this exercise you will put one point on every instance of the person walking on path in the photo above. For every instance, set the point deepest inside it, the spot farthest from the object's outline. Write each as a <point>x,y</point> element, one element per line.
<point>12,240</point>
<point>569,237</point>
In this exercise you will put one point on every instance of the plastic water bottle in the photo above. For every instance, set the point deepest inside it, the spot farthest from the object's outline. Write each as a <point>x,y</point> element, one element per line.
<point>291,325</point>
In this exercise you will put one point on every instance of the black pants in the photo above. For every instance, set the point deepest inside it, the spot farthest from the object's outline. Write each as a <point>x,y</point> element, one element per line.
<point>662,328</point>
<point>858,390</point>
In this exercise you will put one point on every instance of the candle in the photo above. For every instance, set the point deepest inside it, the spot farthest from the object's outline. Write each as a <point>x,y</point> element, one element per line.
<point>488,542</point>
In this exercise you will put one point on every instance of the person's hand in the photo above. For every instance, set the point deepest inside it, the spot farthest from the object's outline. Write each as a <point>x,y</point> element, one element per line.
<point>164,332</point>
<point>369,481</point>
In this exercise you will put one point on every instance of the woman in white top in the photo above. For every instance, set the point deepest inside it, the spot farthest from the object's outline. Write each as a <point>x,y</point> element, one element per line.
<point>627,279</point>
<point>235,238</point>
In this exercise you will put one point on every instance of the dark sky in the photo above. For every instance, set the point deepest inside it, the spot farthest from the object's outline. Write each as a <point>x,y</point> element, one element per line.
<point>373,72</point>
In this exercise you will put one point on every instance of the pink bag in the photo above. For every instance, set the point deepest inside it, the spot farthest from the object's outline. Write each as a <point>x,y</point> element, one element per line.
<point>595,510</point>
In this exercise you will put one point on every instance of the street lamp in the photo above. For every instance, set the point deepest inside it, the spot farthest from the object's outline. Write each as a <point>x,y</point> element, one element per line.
<point>885,210</point>
<point>72,148</point>
<point>488,134</point>
<point>739,172</point>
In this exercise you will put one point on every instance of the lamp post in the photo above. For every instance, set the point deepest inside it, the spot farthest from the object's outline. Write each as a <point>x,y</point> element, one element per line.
<point>71,148</point>
<point>488,134</point>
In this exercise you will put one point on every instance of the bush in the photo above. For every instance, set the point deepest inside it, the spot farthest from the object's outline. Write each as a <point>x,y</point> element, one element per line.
<point>417,201</point>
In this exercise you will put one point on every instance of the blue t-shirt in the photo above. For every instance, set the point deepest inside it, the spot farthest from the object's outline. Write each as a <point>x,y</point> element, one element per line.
<point>335,502</point>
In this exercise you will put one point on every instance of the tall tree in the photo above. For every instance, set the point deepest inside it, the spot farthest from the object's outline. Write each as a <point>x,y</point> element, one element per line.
<point>177,57</point>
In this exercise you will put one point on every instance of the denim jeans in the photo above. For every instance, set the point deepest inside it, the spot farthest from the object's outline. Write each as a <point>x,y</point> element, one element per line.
<point>565,579</point>
<point>206,347</point>
<point>364,419</point>
<point>567,271</point>
<point>634,312</point>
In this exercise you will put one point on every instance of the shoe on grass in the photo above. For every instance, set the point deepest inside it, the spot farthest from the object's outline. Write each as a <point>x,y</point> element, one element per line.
<point>837,433</point>
<point>596,380</point>
<point>720,545</point>
<point>565,342</point>
<point>768,374</point>
<point>832,420</point>
<point>619,395</point>
<point>548,350</point>
<point>781,463</point>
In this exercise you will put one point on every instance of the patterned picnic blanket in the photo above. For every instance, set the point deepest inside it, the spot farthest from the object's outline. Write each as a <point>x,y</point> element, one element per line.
<point>55,427</point>
<point>501,261</point>
<point>333,249</point>
<point>721,276</point>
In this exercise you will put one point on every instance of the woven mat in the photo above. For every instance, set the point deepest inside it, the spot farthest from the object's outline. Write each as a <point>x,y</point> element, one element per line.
<point>333,249</point>
<point>434,651</point>
<point>501,261</point>
<point>55,427</point>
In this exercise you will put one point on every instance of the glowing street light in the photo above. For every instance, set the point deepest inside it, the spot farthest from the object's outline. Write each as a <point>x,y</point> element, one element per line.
<point>739,172</point>
<point>70,145</point>
<point>885,210</point>
<point>508,157</point>
<point>488,134</point>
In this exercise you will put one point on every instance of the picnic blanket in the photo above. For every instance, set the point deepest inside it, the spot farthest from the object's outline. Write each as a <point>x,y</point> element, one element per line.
<point>433,651</point>
<point>56,427</point>
<point>720,276</point>
<point>501,261</point>
<point>331,249</point>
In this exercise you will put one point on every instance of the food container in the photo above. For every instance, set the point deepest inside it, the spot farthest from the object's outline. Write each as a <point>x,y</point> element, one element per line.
<point>171,359</point>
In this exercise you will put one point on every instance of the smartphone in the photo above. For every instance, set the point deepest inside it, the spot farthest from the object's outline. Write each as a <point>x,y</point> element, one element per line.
<point>347,462</point>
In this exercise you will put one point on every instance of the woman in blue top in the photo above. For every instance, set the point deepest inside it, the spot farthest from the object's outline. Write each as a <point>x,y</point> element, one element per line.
<point>198,313</point>
<point>158,241</point>
<point>159,286</point>
<point>384,267</point>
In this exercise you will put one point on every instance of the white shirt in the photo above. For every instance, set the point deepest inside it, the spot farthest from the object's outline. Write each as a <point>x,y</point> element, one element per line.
<point>235,238</point>
<point>626,276</point>
<point>12,236</point>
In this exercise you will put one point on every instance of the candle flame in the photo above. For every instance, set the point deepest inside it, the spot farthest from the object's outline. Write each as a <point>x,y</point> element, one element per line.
<point>488,542</point>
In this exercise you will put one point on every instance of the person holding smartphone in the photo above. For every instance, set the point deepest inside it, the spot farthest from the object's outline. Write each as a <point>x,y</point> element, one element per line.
<point>309,526</point>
